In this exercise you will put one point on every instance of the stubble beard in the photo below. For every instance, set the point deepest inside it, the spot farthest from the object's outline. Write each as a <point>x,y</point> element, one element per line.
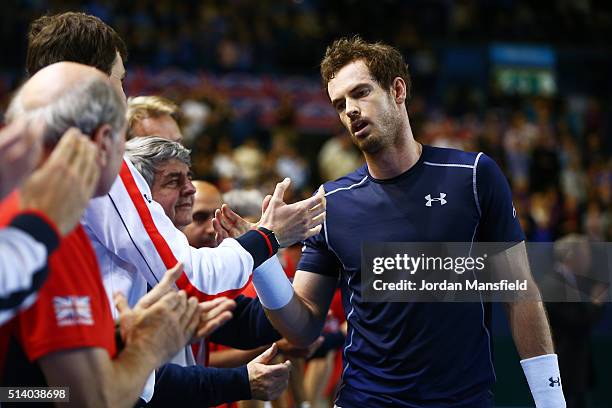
<point>385,134</point>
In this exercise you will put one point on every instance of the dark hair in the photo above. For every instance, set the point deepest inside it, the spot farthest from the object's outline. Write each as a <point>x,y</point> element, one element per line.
<point>384,62</point>
<point>75,37</point>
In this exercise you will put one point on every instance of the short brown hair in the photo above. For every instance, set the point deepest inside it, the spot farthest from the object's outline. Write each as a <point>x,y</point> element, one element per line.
<point>76,37</point>
<point>142,107</point>
<point>384,62</point>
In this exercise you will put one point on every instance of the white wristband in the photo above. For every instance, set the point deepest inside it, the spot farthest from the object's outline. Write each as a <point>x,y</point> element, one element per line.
<point>544,380</point>
<point>271,284</point>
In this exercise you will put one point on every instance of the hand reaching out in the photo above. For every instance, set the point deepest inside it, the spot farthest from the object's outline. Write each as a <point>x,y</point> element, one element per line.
<point>267,380</point>
<point>228,224</point>
<point>213,314</point>
<point>290,222</point>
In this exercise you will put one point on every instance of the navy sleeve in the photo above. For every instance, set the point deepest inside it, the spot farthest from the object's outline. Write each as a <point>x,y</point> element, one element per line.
<point>197,386</point>
<point>248,329</point>
<point>498,220</point>
<point>317,257</point>
<point>259,244</point>
<point>39,228</point>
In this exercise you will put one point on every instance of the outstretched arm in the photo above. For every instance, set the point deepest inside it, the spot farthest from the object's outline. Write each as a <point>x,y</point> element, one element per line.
<point>133,227</point>
<point>198,386</point>
<point>297,311</point>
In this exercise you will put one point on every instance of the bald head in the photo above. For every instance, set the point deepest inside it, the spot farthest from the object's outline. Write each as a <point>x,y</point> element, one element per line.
<point>68,94</point>
<point>52,82</point>
<point>200,232</point>
<point>55,83</point>
<point>208,192</point>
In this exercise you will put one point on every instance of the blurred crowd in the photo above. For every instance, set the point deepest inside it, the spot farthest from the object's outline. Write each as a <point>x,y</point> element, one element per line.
<point>554,151</point>
<point>287,35</point>
<point>557,161</point>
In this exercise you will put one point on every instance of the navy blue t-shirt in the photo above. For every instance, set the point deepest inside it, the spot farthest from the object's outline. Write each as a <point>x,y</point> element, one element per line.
<point>414,354</point>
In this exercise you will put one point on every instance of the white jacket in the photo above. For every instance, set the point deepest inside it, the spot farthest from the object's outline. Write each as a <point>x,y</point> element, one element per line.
<point>136,243</point>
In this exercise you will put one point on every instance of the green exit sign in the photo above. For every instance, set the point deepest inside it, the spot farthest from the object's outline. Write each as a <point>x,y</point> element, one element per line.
<point>525,81</point>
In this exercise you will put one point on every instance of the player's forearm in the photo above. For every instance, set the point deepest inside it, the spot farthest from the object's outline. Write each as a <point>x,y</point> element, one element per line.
<point>297,314</point>
<point>197,386</point>
<point>530,328</point>
<point>533,341</point>
<point>526,315</point>
<point>297,322</point>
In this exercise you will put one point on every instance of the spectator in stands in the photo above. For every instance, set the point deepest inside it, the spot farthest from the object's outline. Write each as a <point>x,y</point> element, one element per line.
<point>153,116</point>
<point>575,307</point>
<point>519,139</point>
<point>249,158</point>
<point>338,157</point>
<point>200,232</point>
<point>165,167</point>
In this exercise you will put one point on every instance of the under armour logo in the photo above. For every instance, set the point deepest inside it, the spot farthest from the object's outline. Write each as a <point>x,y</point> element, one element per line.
<point>440,199</point>
<point>147,198</point>
<point>553,382</point>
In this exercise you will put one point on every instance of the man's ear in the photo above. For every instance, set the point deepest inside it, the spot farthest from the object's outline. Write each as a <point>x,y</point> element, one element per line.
<point>398,90</point>
<point>103,138</point>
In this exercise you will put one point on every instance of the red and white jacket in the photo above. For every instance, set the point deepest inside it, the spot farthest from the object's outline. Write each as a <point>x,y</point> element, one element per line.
<point>135,243</point>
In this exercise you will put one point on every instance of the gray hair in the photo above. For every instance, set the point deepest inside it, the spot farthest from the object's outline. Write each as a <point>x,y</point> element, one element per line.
<point>148,153</point>
<point>86,106</point>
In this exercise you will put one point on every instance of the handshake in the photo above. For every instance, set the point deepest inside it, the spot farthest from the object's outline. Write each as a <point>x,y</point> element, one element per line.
<point>290,223</point>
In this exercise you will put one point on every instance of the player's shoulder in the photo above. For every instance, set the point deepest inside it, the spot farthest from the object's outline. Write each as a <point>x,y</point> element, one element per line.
<point>483,168</point>
<point>354,179</point>
<point>445,156</point>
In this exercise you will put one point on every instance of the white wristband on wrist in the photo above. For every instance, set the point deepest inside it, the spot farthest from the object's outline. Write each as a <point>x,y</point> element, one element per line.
<point>544,380</point>
<point>271,284</point>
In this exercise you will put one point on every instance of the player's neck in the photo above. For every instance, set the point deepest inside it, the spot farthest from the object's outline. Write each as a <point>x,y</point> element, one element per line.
<point>394,160</point>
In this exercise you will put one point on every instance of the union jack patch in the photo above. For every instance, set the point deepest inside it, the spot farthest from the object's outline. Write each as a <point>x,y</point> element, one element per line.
<point>73,310</point>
